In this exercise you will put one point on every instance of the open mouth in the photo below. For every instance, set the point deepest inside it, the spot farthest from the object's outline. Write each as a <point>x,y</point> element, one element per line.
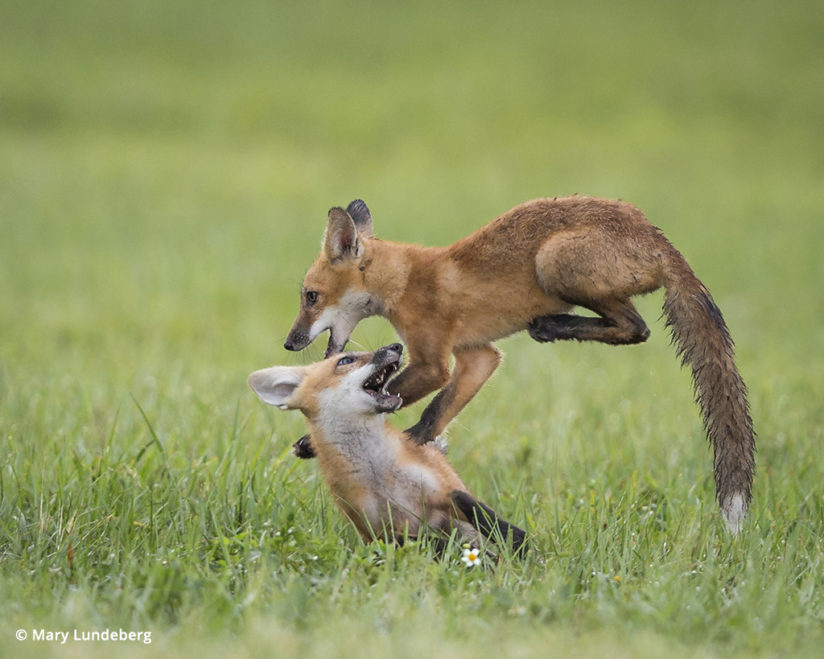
<point>375,386</point>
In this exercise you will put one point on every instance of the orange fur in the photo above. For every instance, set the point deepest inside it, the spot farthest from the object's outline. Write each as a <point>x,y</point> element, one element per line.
<point>527,270</point>
<point>389,486</point>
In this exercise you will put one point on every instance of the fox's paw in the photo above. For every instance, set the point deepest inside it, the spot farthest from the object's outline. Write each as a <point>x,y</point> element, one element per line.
<point>544,329</point>
<point>303,448</point>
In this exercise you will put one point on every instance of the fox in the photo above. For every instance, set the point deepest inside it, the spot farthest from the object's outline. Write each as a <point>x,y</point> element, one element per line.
<point>528,270</point>
<point>389,486</point>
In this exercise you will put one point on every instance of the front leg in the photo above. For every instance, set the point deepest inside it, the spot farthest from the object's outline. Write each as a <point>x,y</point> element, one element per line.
<point>428,367</point>
<point>303,448</point>
<point>473,366</point>
<point>419,379</point>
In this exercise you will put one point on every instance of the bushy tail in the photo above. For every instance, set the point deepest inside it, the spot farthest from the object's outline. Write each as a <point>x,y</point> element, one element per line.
<point>704,343</point>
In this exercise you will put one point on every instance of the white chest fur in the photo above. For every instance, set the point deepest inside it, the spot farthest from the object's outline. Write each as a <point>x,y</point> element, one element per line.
<point>371,461</point>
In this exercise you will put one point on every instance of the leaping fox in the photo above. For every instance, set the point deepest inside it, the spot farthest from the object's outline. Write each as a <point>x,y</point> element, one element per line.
<point>389,486</point>
<point>527,270</point>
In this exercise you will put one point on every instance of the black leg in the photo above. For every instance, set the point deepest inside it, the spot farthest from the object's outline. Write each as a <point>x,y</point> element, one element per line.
<point>421,432</point>
<point>486,520</point>
<point>618,324</point>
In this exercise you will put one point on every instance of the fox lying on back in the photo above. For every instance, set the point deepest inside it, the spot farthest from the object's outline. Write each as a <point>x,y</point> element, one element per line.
<point>385,483</point>
<point>525,271</point>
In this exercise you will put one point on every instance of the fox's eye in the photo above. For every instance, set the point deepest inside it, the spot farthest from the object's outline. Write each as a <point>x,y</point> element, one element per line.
<point>343,361</point>
<point>311,297</point>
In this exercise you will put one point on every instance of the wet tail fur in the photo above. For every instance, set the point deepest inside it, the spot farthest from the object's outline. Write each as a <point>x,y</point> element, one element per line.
<point>703,342</point>
<point>483,518</point>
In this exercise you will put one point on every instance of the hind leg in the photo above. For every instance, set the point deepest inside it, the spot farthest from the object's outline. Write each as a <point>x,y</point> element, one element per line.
<point>619,323</point>
<point>598,267</point>
<point>486,520</point>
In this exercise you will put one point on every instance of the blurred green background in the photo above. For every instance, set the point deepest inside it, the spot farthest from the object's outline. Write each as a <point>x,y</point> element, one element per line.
<point>166,168</point>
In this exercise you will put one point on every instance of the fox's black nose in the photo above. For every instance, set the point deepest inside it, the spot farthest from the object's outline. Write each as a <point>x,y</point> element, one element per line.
<point>395,347</point>
<point>289,345</point>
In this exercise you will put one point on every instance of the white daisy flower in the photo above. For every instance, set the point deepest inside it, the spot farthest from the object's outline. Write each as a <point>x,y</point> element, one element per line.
<point>471,557</point>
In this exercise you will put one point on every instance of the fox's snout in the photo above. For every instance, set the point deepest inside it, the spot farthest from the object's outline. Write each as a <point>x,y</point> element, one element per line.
<point>387,354</point>
<point>296,341</point>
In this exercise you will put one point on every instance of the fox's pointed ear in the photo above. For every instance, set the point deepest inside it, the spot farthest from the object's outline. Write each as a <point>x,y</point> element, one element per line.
<point>277,385</point>
<point>359,212</point>
<point>341,239</point>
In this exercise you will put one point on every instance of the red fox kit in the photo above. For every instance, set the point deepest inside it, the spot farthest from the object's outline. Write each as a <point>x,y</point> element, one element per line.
<point>526,271</point>
<point>387,484</point>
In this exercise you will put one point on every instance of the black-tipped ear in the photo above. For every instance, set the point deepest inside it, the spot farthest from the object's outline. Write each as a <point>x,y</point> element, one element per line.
<point>341,238</point>
<point>360,214</point>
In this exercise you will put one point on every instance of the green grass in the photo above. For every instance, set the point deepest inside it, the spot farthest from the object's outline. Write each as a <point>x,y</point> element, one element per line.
<point>165,172</point>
